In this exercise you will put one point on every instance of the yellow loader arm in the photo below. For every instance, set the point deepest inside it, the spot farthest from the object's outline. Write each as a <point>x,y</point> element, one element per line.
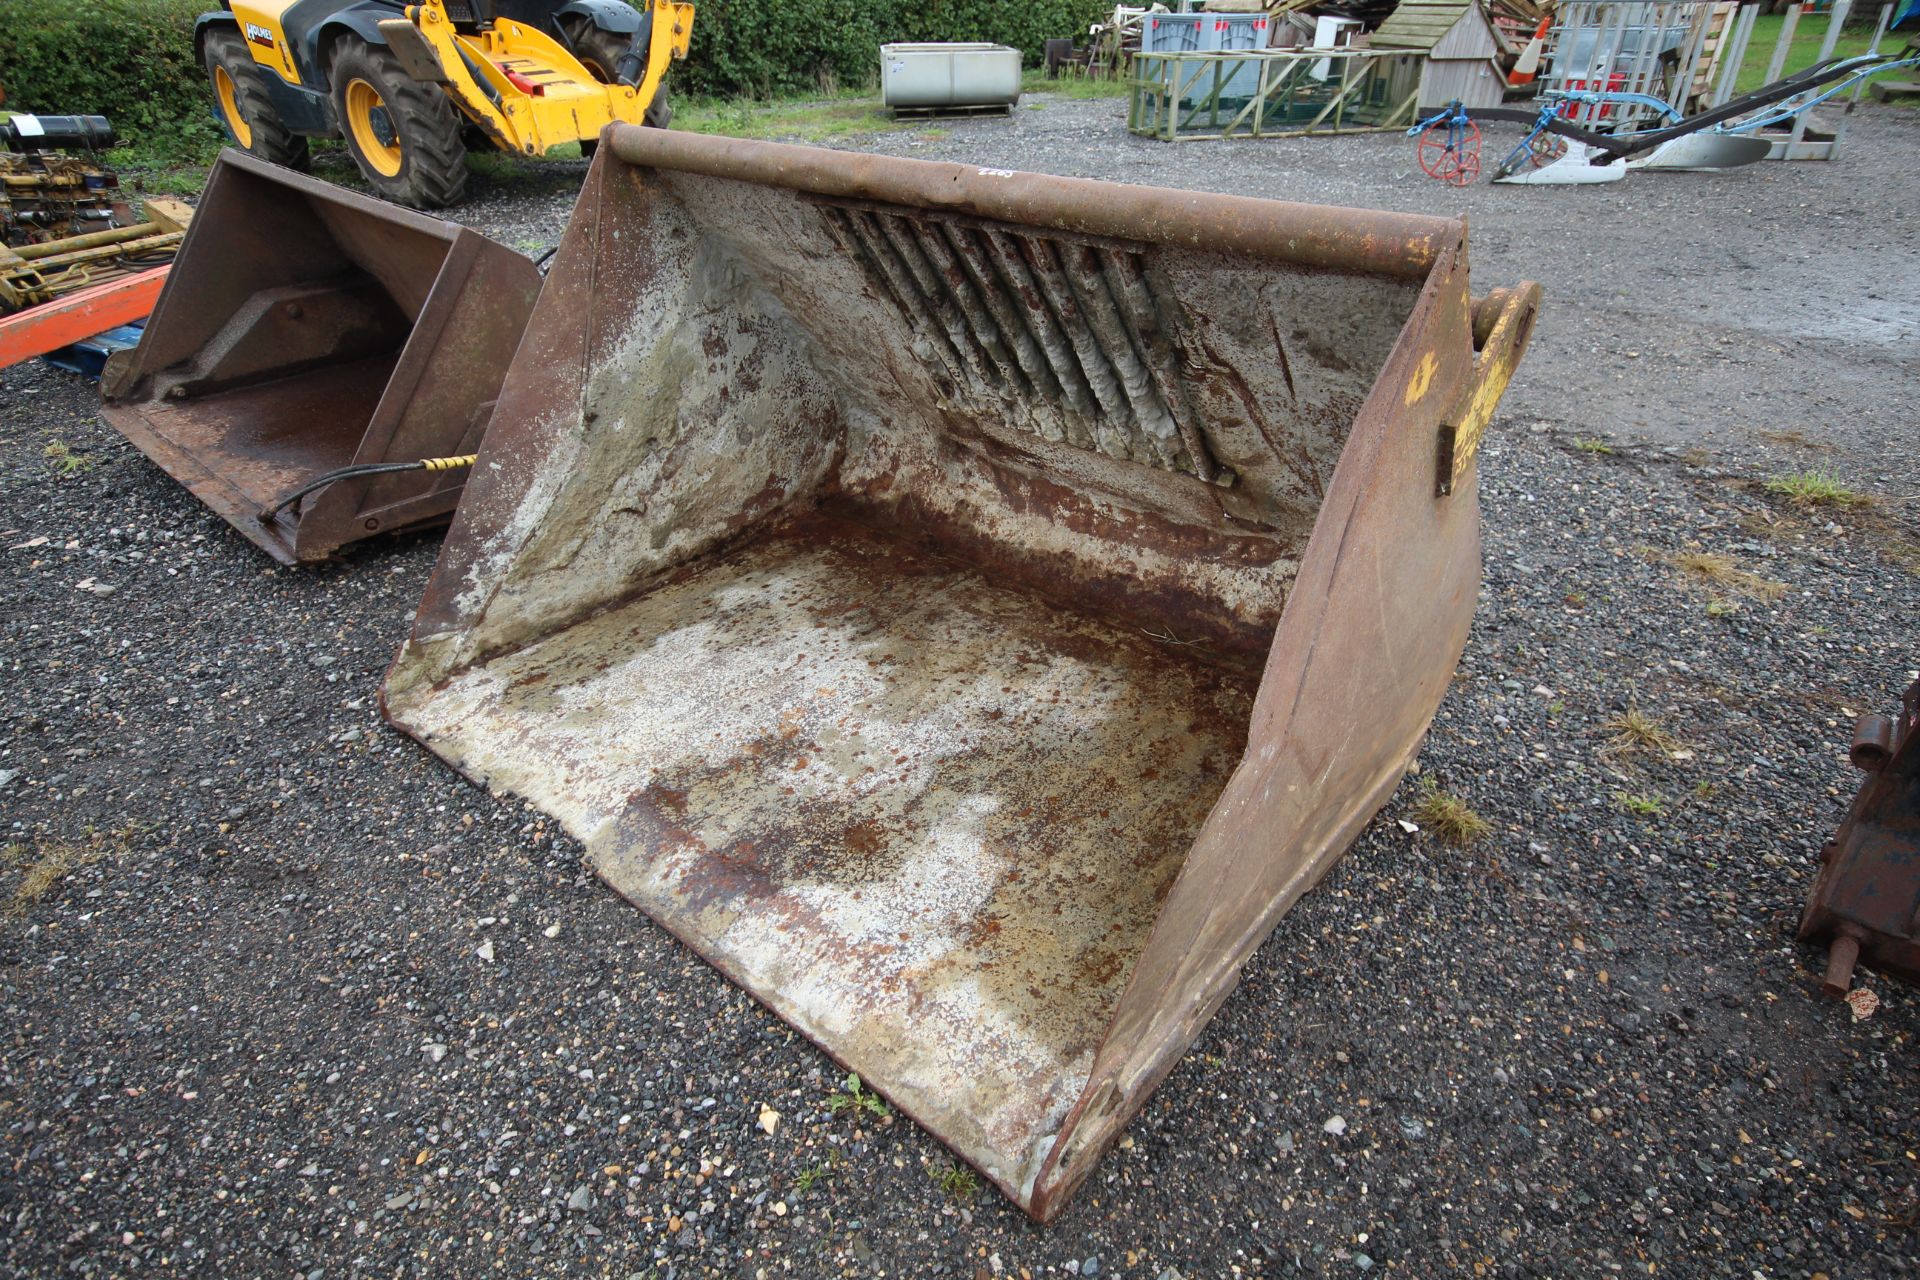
<point>520,85</point>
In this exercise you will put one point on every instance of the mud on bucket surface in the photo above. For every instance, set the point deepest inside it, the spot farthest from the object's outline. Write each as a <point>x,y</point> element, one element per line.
<point>967,608</point>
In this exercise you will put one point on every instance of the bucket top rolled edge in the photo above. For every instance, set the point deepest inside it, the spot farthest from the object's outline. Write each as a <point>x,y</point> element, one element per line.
<point>1361,241</point>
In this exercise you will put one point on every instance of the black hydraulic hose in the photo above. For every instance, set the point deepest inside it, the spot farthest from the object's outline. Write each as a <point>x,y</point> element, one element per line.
<point>632,66</point>
<point>364,469</point>
<point>480,78</point>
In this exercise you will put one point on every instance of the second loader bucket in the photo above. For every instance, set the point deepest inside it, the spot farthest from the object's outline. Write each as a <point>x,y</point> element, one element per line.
<point>967,607</point>
<point>305,328</point>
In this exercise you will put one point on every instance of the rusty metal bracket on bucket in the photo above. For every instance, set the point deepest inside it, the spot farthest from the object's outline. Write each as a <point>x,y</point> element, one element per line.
<point>967,607</point>
<point>305,328</point>
<point>1865,903</point>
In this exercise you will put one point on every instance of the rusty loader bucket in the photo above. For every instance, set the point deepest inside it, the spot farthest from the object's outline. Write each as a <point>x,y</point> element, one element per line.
<point>1865,903</point>
<point>305,328</point>
<point>967,607</point>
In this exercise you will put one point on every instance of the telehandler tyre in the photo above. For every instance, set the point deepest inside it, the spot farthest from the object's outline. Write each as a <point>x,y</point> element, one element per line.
<point>600,52</point>
<point>404,134</point>
<point>240,97</point>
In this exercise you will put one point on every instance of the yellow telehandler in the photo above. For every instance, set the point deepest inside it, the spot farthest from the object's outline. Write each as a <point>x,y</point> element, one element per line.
<point>411,86</point>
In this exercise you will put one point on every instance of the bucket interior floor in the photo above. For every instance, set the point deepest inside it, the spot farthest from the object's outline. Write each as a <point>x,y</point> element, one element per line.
<point>269,437</point>
<point>927,817</point>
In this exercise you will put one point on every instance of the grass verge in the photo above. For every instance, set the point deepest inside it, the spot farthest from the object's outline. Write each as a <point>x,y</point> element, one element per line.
<point>804,120</point>
<point>1076,87</point>
<point>1805,49</point>
<point>177,163</point>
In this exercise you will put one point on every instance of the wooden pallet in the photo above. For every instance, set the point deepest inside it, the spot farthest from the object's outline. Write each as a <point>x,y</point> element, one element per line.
<point>952,112</point>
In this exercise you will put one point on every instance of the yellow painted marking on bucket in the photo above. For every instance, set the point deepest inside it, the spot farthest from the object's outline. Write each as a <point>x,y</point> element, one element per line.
<point>1492,370</point>
<point>1422,376</point>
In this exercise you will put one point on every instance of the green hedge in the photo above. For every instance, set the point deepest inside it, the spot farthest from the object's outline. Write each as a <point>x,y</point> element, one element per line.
<point>764,47</point>
<point>132,60</point>
<point>129,60</point>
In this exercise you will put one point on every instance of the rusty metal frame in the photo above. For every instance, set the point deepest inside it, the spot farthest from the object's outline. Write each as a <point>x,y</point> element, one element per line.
<point>264,245</point>
<point>606,512</point>
<point>1865,902</point>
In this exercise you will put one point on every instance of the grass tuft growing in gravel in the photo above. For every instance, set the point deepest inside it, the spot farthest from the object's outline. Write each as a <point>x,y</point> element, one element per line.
<point>1816,489</point>
<point>1641,806</point>
<point>1903,553</point>
<point>41,867</point>
<point>809,1177</point>
<point>1796,438</point>
<point>957,1181</point>
<point>857,1097</point>
<point>1448,816</point>
<point>1592,444</point>
<point>1633,730</point>
<point>64,460</point>
<point>1716,570</point>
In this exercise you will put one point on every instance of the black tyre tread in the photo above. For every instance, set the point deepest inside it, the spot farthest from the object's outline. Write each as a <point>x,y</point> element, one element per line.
<point>660,110</point>
<point>599,51</point>
<point>433,166</point>
<point>272,141</point>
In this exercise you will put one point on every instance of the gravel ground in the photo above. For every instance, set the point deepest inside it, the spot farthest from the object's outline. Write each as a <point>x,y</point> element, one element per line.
<point>305,1003</point>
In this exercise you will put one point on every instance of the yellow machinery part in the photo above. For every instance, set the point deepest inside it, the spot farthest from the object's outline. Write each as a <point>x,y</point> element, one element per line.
<point>230,107</point>
<point>570,105</point>
<point>372,137</point>
<point>261,26</point>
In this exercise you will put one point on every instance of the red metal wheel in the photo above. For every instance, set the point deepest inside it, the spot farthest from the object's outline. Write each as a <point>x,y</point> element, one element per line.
<point>1446,162</point>
<point>1545,148</point>
<point>1466,168</point>
<point>1436,157</point>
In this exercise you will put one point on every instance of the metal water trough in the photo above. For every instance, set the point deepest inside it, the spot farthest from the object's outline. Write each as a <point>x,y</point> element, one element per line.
<point>967,607</point>
<point>305,328</point>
